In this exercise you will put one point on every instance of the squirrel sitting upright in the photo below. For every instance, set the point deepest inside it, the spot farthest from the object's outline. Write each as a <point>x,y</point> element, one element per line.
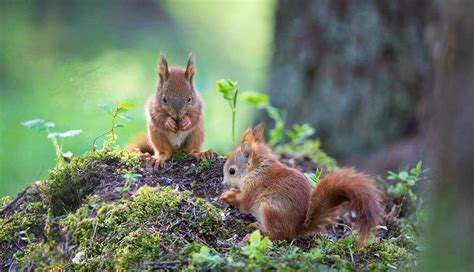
<point>282,199</point>
<point>174,116</point>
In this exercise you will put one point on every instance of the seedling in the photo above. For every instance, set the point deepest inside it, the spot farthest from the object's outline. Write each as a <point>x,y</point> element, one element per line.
<point>257,246</point>
<point>130,178</point>
<point>406,180</point>
<point>116,112</point>
<point>41,125</point>
<point>228,89</point>
<point>300,133</point>
<point>313,178</point>
<point>206,256</point>
<point>261,101</point>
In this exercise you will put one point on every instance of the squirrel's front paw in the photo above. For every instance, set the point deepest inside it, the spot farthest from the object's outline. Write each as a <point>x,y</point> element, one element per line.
<point>155,162</point>
<point>170,124</point>
<point>228,197</point>
<point>185,123</point>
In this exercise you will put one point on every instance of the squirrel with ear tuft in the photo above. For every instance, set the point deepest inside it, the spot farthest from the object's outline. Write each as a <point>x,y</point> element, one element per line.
<point>174,117</point>
<point>282,199</point>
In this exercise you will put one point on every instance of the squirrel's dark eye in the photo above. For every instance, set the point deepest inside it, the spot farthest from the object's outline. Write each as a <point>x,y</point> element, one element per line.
<point>164,100</point>
<point>232,171</point>
<point>189,100</point>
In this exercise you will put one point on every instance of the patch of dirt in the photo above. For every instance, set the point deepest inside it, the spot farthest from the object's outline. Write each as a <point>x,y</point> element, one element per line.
<point>181,175</point>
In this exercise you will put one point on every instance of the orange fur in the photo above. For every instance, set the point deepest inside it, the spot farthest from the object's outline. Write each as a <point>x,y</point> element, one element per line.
<point>174,116</point>
<point>282,199</point>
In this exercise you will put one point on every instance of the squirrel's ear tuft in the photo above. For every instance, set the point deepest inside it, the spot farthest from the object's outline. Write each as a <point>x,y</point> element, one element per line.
<point>189,73</point>
<point>246,148</point>
<point>248,136</point>
<point>163,70</point>
<point>258,133</point>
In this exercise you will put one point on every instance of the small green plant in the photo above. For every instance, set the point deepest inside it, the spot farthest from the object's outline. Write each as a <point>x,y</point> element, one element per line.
<point>116,112</point>
<point>4,200</point>
<point>314,178</point>
<point>206,257</point>
<point>130,178</point>
<point>27,236</point>
<point>203,165</point>
<point>300,133</point>
<point>261,101</point>
<point>228,89</point>
<point>257,246</point>
<point>41,125</point>
<point>406,180</point>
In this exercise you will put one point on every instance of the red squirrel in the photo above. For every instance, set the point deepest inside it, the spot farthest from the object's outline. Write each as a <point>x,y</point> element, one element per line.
<point>282,199</point>
<point>174,116</point>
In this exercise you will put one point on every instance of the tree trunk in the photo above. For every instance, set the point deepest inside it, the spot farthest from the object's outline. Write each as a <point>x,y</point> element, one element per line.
<point>452,134</point>
<point>354,70</point>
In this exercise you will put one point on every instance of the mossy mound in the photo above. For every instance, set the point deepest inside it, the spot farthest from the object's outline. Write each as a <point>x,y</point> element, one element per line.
<point>105,211</point>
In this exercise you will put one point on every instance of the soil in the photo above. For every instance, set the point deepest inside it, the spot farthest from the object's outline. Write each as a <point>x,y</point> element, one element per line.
<point>181,175</point>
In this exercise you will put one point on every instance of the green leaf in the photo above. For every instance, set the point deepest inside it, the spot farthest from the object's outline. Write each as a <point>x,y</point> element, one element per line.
<point>311,178</point>
<point>403,175</point>
<point>300,133</point>
<point>314,178</point>
<point>105,107</point>
<point>255,99</point>
<point>48,125</point>
<point>227,88</point>
<point>255,237</point>
<point>125,117</point>
<point>265,243</point>
<point>232,83</point>
<point>126,106</point>
<point>419,164</point>
<point>54,135</point>
<point>274,113</point>
<point>119,126</point>
<point>33,123</point>
<point>70,133</point>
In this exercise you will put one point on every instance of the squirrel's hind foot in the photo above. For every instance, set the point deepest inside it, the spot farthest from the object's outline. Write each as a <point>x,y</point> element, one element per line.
<point>155,162</point>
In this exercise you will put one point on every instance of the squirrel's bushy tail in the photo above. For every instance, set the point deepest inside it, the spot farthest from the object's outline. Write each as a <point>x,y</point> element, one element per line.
<point>140,143</point>
<point>340,186</point>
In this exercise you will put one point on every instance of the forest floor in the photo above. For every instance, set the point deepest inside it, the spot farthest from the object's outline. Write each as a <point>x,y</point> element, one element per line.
<point>106,210</point>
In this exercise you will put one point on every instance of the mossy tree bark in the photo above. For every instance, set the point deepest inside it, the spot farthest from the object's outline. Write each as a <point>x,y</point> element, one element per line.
<point>355,70</point>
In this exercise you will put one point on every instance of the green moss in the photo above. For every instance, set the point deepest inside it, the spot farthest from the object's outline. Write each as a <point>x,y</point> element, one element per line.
<point>137,246</point>
<point>68,185</point>
<point>24,226</point>
<point>154,225</point>
<point>161,228</point>
<point>4,200</point>
<point>326,255</point>
<point>203,165</point>
<point>28,218</point>
<point>180,155</point>
<point>311,149</point>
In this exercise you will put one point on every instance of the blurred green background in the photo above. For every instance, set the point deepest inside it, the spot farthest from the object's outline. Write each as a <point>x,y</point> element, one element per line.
<point>59,59</point>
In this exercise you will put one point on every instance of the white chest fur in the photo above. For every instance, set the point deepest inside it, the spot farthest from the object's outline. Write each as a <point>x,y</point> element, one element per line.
<point>177,139</point>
